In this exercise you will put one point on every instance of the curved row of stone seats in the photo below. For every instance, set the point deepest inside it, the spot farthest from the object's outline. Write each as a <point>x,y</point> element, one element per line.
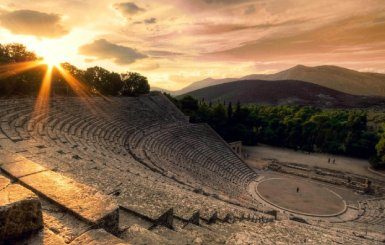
<point>284,232</point>
<point>64,124</point>
<point>372,211</point>
<point>194,152</point>
<point>98,164</point>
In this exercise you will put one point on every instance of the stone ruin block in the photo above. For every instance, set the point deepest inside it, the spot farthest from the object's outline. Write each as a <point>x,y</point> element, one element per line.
<point>20,212</point>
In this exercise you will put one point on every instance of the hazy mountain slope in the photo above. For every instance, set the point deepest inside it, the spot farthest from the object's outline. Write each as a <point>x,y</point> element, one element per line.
<point>202,84</point>
<point>160,89</point>
<point>283,92</point>
<point>334,77</point>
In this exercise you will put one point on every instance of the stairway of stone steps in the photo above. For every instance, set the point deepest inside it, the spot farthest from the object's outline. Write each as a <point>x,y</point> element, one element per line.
<point>67,223</point>
<point>39,206</point>
<point>59,224</point>
<point>70,212</point>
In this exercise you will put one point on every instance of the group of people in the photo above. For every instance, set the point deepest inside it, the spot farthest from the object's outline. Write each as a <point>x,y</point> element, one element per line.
<point>333,161</point>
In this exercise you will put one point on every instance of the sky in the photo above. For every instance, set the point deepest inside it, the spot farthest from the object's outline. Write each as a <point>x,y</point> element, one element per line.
<point>177,42</point>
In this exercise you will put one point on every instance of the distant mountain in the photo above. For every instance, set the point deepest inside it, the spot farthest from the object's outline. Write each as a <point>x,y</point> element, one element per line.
<point>284,92</point>
<point>160,89</point>
<point>202,84</point>
<point>334,77</point>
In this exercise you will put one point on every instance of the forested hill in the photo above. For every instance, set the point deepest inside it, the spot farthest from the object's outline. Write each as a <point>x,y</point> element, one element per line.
<point>284,92</point>
<point>351,132</point>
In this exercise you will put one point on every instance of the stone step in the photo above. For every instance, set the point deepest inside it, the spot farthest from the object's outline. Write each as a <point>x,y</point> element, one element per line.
<point>20,211</point>
<point>173,237</point>
<point>4,182</point>
<point>97,237</point>
<point>138,235</point>
<point>43,237</point>
<point>84,201</point>
<point>65,225</point>
<point>99,210</point>
<point>127,219</point>
<point>22,168</point>
<point>6,157</point>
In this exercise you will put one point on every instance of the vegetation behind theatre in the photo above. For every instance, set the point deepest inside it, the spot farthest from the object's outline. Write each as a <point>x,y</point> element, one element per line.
<point>353,132</point>
<point>97,80</point>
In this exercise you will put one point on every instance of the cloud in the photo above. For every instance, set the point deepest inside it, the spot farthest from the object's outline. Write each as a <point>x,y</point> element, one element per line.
<point>250,10</point>
<point>128,8</point>
<point>214,29</point>
<point>351,37</point>
<point>150,21</point>
<point>162,53</point>
<point>29,22</point>
<point>103,49</point>
<point>225,2</point>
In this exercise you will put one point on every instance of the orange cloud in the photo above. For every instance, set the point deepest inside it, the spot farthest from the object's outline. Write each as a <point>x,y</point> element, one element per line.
<point>35,23</point>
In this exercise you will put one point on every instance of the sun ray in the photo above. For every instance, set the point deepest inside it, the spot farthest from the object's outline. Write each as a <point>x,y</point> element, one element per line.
<point>42,100</point>
<point>9,70</point>
<point>80,89</point>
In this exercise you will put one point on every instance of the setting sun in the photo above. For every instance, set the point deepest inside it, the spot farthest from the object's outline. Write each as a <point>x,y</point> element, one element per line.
<point>51,60</point>
<point>52,52</point>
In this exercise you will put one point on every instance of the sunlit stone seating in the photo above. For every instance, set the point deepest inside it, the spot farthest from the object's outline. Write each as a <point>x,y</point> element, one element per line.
<point>139,155</point>
<point>96,237</point>
<point>79,199</point>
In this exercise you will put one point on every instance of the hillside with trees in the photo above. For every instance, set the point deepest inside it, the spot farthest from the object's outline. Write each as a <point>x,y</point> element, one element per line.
<point>305,128</point>
<point>21,74</point>
<point>284,92</point>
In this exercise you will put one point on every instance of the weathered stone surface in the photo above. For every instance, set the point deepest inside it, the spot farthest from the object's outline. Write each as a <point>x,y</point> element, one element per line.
<point>84,201</point>
<point>141,236</point>
<point>4,182</point>
<point>43,237</point>
<point>97,237</point>
<point>20,212</point>
<point>8,158</point>
<point>22,168</point>
<point>61,222</point>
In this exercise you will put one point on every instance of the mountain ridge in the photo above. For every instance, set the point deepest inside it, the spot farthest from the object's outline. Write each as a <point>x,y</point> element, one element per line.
<point>330,76</point>
<point>283,92</point>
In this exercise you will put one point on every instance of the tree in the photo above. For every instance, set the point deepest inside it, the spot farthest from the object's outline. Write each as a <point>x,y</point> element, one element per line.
<point>189,105</point>
<point>219,116</point>
<point>134,84</point>
<point>103,81</point>
<point>378,161</point>
<point>13,53</point>
<point>230,111</point>
<point>12,80</point>
<point>174,100</point>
